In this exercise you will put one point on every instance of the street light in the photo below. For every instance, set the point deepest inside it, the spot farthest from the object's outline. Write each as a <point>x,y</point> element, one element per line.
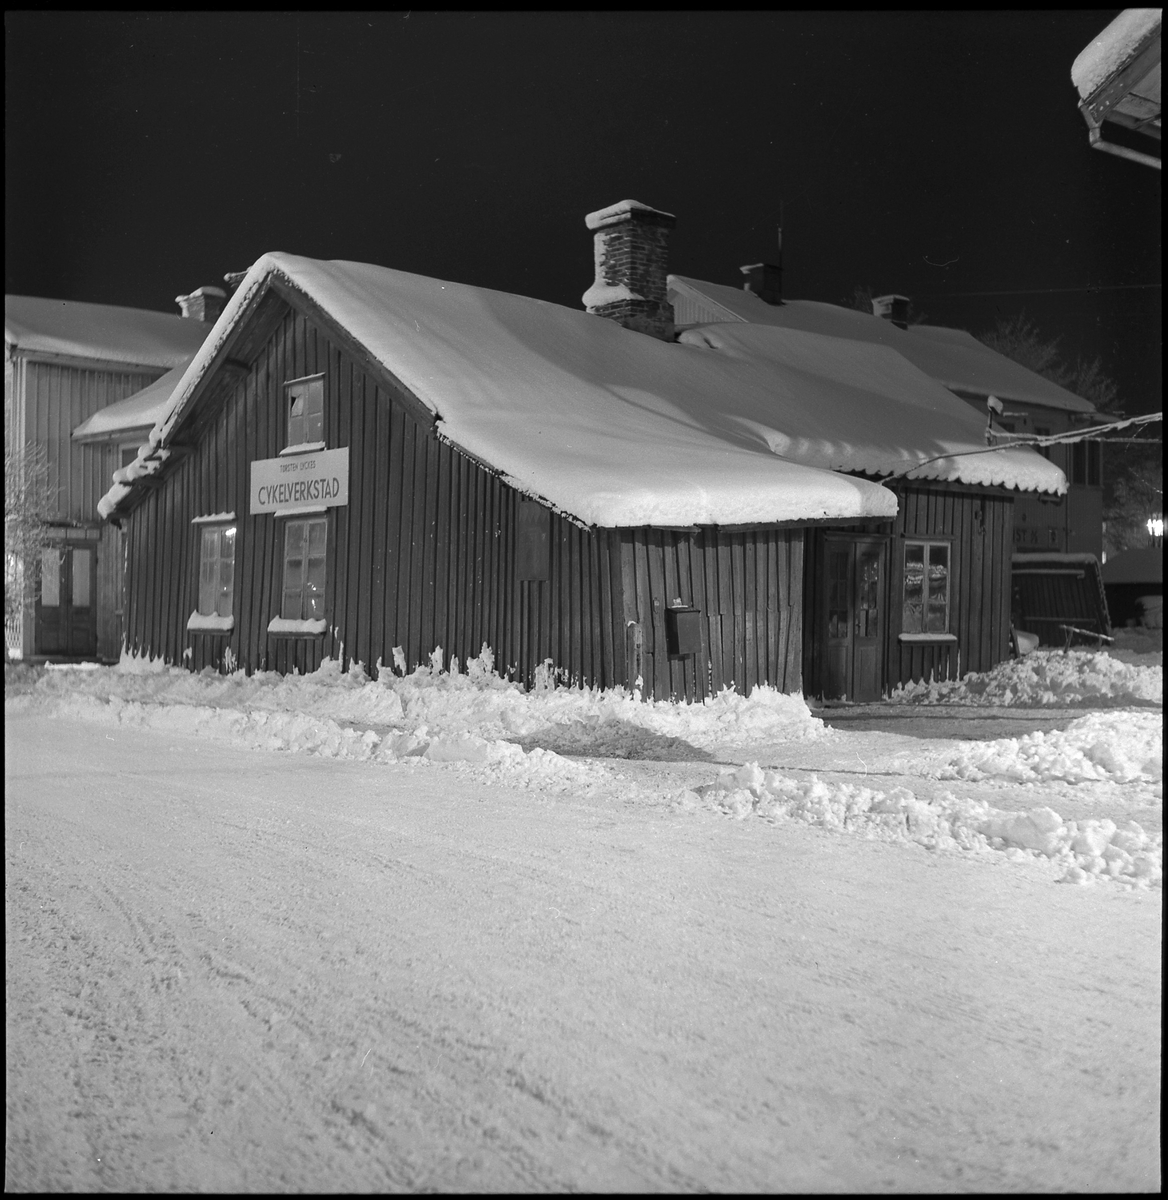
<point>1156,529</point>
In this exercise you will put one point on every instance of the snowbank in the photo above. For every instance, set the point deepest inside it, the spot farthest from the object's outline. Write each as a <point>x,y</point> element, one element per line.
<point>469,718</point>
<point>1047,677</point>
<point>1084,850</point>
<point>1120,747</point>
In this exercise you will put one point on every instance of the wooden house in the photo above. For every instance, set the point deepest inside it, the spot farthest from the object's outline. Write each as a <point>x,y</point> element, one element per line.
<point>1030,405</point>
<point>66,362</point>
<point>365,464</point>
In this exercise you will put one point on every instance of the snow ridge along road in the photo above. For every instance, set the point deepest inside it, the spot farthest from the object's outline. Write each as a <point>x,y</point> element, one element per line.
<point>233,969</point>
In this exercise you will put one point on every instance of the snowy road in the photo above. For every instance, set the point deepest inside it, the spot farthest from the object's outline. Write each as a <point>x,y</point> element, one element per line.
<point>243,970</point>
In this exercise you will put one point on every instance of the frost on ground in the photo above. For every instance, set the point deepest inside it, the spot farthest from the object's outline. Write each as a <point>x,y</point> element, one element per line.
<point>470,719</point>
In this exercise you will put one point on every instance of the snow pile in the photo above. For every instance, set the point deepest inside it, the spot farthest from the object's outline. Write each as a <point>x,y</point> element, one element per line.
<point>306,733</point>
<point>433,714</point>
<point>1047,677</point>
<point>1109,747</point>
<point>468,698</point>
<point>1084,851</point>
<point>471,718</point>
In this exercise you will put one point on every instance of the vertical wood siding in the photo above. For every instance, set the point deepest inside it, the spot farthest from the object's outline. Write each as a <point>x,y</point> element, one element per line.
<point>748,587</point>
<point>423,556</point>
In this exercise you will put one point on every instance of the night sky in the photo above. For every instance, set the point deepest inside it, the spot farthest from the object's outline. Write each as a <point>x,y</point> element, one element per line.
<point>928,154</point>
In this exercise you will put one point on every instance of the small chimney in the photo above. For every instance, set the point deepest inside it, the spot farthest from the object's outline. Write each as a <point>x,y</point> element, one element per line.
<point>233,279</point>
<point>630,243</point>
<point>892,308</point>
<point>765,280</point>
<point>203,304</point>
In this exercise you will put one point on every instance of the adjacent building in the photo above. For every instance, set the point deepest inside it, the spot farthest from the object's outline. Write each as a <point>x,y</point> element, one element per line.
<point>1028,404</point>
<point>65,364</point>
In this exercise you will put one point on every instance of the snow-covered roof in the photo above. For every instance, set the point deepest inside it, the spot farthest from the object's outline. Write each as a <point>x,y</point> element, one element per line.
<point>100,331</point>
<point>136,414</point>
<point>847,405</point>
<point>952,357</point>
<point>620,429</point>
<point>1114,48</point>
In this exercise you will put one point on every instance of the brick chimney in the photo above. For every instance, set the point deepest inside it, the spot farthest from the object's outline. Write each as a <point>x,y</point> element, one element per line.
<point>892,308</point>
<point>203,304</point>
<point>630,242</point>
<point>765,280</point>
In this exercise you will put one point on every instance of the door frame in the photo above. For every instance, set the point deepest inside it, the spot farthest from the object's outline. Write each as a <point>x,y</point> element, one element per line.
<point>846,671</point>
<point>75,638</point>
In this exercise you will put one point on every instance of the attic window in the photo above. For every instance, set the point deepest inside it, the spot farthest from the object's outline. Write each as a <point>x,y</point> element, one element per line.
<point>305,407</point>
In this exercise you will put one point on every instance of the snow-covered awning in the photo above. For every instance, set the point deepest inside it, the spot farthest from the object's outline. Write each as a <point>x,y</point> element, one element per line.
<point>1118,79</point>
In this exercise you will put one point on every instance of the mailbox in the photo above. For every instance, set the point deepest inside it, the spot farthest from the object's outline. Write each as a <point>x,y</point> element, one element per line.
<point>683,630</point>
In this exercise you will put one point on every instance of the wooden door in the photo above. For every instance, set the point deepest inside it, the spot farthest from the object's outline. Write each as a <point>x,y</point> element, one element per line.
<point>853,620</point>
<point>66,607</point>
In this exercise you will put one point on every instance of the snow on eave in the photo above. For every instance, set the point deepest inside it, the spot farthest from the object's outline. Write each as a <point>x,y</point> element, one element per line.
<point>843,404</point>
<point>1106,55</point>
<point>136,414</point>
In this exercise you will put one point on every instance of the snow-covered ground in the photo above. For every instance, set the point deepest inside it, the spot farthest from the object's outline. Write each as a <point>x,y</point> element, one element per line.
<point>435,932</point>
<point>465,717</point>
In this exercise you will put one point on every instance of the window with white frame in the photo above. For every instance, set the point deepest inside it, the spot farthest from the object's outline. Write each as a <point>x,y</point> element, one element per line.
<point>305,408</point>
<point>305,544</point>
<point>926,587</point>
<point>216,569</point>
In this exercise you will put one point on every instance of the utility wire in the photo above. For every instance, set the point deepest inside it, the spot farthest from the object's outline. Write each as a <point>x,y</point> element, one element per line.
<point>1051,439</point>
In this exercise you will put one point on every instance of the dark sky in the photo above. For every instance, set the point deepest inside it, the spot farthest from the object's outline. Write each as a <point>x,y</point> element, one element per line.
<point>933,155</point>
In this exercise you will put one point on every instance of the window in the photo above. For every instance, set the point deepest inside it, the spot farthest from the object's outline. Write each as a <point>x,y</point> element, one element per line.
<point>82,565</point>
<point>50,577</point>
<point>926,587</point>
<point>1085,457</point>
<point>305,407</point>
<point>216,570</point>
<point>305,542</point>
<point>126,455</point>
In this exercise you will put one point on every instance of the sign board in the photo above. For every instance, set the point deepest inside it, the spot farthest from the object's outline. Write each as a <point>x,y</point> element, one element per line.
<point>317,479</point>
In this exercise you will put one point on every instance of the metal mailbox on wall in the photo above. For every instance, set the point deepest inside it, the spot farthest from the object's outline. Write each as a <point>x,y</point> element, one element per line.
<point>683,630</point>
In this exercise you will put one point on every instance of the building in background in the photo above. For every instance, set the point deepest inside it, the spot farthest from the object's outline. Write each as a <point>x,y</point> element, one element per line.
<point>65,363</point>
<point>1029,404</point>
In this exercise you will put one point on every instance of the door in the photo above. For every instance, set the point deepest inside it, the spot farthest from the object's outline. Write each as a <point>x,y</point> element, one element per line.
<point>66,614</point>
<point>853,622</point>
